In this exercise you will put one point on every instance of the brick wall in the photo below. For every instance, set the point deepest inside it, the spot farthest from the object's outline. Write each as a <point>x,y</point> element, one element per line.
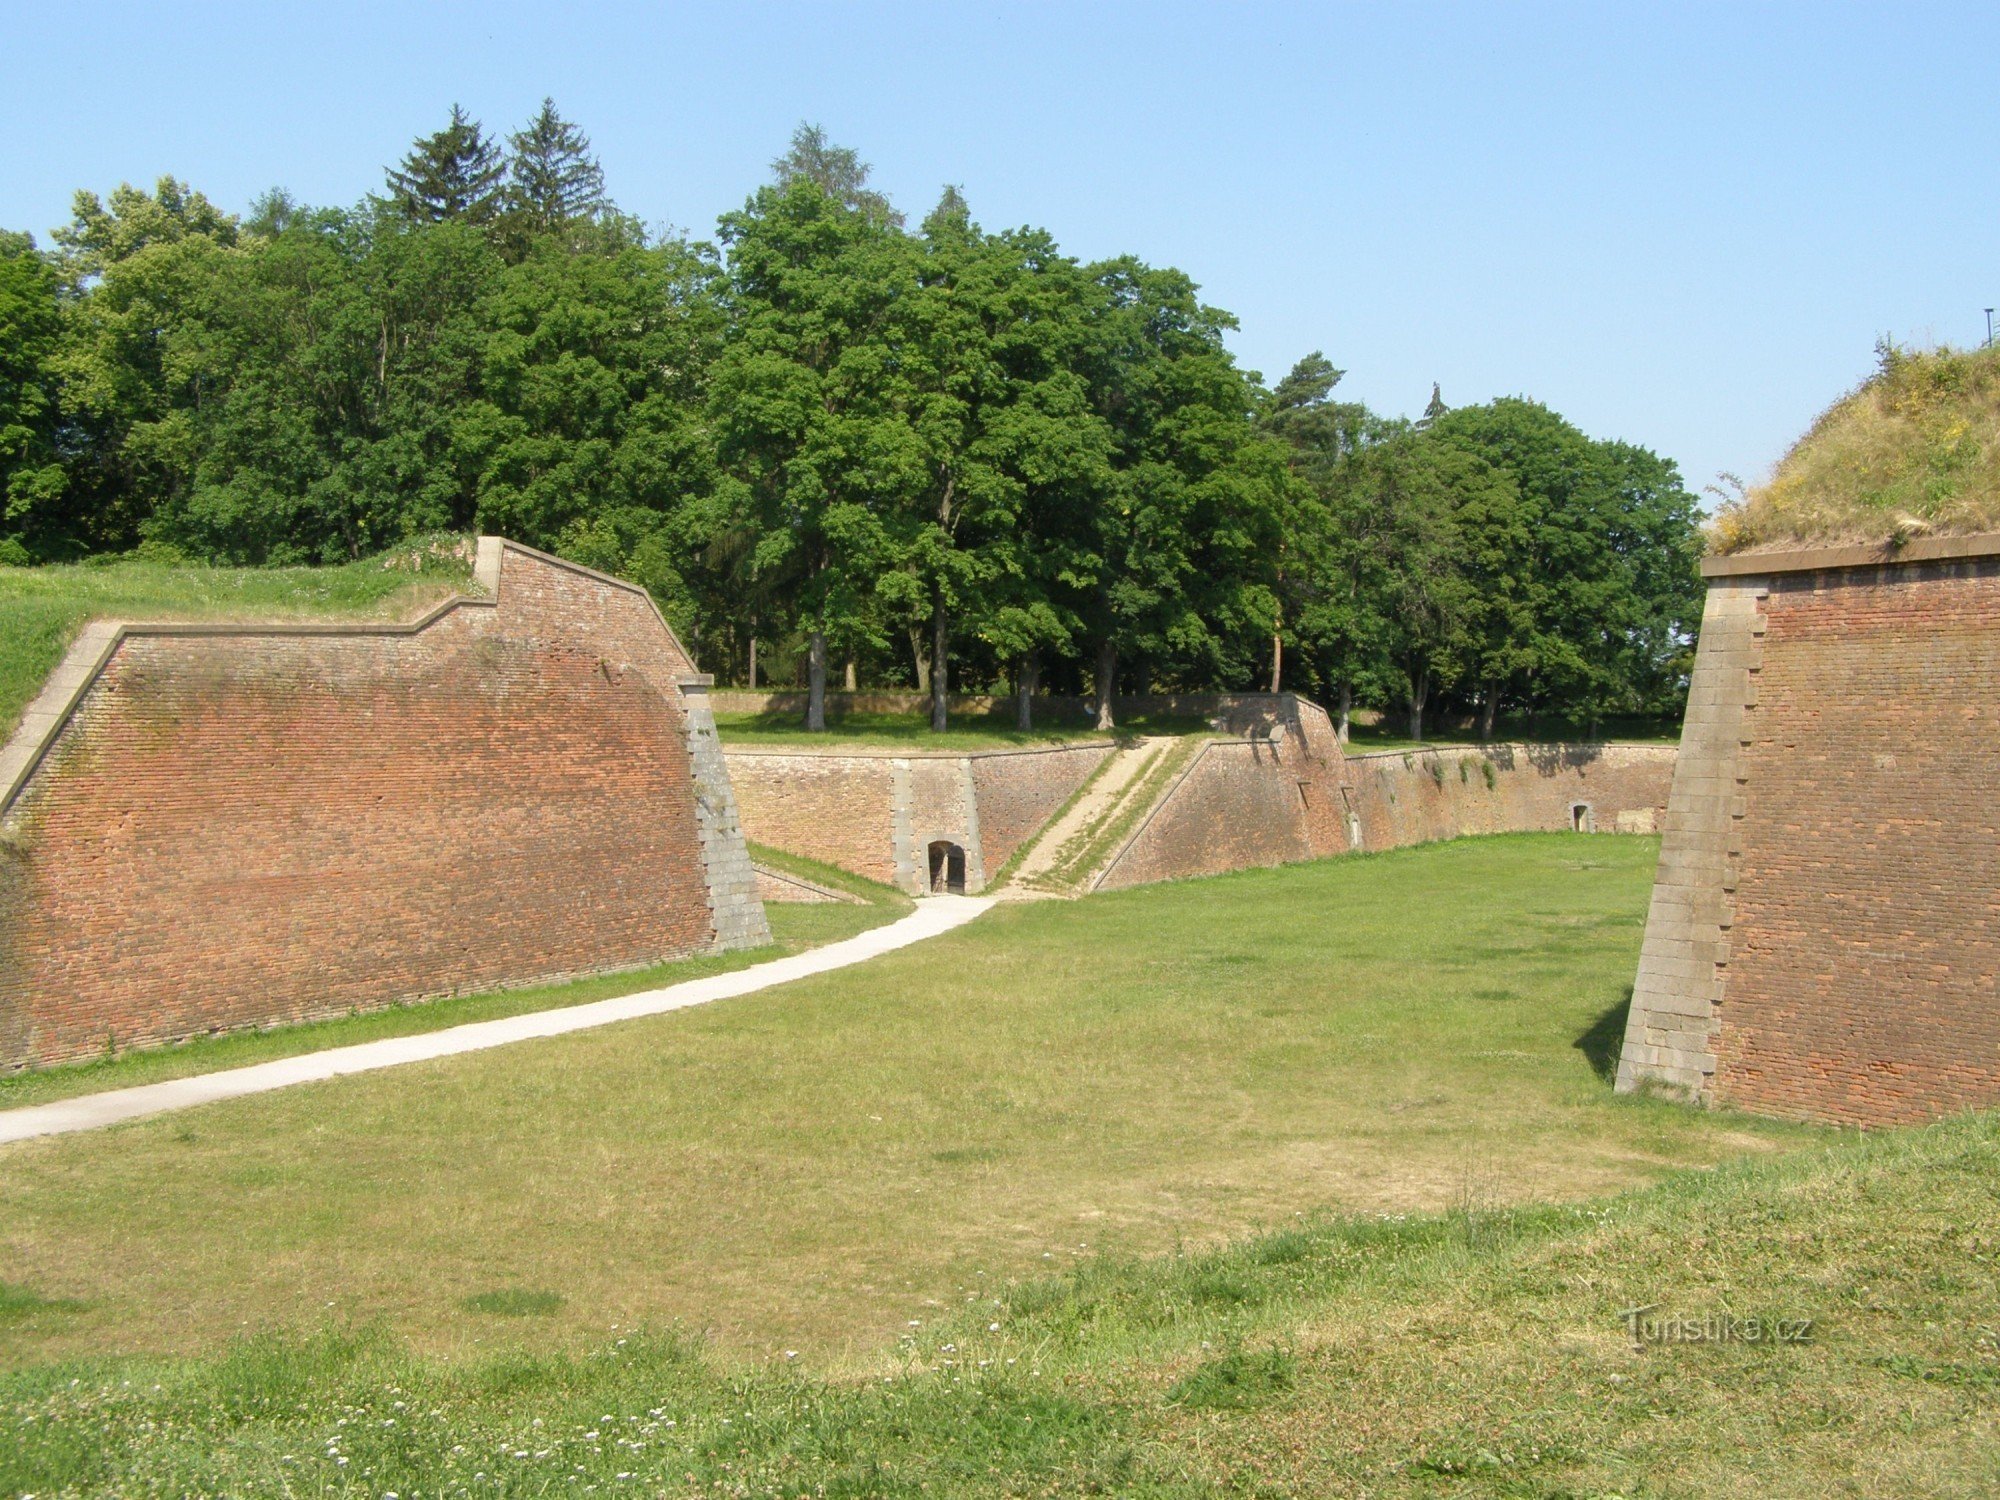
<point>240,825</point>
<point>1414,797</point>
<point>1240,804</point>
<point>877,813</point>
<point>1844,847</point>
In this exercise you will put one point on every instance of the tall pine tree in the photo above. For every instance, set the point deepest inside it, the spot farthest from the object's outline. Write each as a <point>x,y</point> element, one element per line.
<point>455,174</point>
<point>554,180</point>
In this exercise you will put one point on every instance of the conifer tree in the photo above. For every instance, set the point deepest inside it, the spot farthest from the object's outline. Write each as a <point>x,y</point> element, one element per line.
<point>554,180</point>
<point>455,174</point>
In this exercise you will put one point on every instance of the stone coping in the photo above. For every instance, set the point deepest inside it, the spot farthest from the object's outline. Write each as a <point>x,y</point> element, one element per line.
<point>1868,555</point>
<point>1498,745</point>
<point>99,640</point>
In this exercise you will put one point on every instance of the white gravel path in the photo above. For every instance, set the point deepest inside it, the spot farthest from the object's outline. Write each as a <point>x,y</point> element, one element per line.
<point>933,916</point>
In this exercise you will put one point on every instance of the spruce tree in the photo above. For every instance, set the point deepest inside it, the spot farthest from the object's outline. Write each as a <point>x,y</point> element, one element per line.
<point>554,178</point>
<point>455,174</point>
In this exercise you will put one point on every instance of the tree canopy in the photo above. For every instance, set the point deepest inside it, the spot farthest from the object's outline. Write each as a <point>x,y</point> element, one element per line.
<point>942,455</point>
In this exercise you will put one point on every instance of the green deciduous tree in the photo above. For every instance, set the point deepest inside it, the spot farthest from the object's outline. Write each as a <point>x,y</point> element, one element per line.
<point>32,479</point>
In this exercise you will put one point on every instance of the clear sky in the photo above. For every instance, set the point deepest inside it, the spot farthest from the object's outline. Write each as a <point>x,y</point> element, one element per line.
<point>1684,225</point>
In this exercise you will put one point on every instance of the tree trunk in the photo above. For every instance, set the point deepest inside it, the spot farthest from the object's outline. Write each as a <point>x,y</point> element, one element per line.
<point>940,668</point>
<point>753,652</point>
<point>1489,709</point>
<point>1420,689</point>
<point>1277,660</point>
<point>1346,718</point>
<point>1107,683</point>
<point>920,653</point>
<point>816,683</point>
<point>847,678</point>
<point>1027,678</point>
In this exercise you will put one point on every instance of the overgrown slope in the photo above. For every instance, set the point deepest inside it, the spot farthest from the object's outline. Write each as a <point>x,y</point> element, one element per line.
<point>1474,1352</point>
<point>42,609</point>
<point>1914,451</point>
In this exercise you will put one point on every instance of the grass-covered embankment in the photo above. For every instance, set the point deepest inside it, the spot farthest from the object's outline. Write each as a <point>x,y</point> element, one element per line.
<point>1914,451</point>
<point>812,1166</point>
<point>42,609</point>
<point>1479,1351</point>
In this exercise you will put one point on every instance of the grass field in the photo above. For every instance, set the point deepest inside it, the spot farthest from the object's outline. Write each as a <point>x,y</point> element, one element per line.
<point>1293,1182</point>
<point>1475,1352</point>
<point>812,1167</point>
<point>42,609</point>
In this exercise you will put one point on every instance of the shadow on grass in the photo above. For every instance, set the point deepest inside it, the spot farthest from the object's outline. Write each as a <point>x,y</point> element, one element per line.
<point>1602,1039</point>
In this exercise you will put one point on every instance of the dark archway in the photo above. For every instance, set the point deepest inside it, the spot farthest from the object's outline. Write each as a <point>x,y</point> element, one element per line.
<point>947,868</point>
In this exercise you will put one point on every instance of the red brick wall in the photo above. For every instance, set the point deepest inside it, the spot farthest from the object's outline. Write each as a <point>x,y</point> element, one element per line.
<point>1019,792</point>
<point>1442,794</point>
<point>1863,974</point>
<point>838,809</point>
<point>1239,805</point>
<point>248,828</point>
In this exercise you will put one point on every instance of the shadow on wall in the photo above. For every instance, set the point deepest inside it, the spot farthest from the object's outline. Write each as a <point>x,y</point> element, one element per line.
<point>1601,1040</point>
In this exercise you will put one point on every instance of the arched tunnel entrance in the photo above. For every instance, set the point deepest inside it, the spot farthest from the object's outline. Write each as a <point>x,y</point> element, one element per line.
<point>947,868</point>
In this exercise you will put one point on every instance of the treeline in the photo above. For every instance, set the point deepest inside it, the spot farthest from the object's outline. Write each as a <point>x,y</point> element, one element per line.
<point>827,442</point>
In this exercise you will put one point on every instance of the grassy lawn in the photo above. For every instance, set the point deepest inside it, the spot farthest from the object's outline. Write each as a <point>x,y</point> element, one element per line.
<point>1475,1352</point>
<point>913,731</point>
<point>42,609</point>
<point>793,929</point>
<point>813,1167</point>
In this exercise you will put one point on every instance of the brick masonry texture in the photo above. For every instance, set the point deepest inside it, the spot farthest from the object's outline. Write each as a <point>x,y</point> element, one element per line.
<point>1852,970</point>
<point>877,814</point>
<point>1260,801</point>
<point>243,825</point>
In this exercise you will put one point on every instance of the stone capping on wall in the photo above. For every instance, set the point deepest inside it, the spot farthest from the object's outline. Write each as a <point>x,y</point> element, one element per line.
<point>91,652</point>
<point>836,750</point>
<point>1871,555</point>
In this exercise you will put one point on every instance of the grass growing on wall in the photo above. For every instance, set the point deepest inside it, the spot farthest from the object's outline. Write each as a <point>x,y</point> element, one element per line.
<point>1471,1352</point>
<point>42,609</point>
<point>1914,451</point>
<point>814,1166</point>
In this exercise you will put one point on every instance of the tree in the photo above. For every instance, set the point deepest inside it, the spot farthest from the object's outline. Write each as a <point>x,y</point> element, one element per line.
<point>837,171</point>
<point>454,174</point>
<point>553,180</point>
<point>32,480</point>
<point>809,408</point>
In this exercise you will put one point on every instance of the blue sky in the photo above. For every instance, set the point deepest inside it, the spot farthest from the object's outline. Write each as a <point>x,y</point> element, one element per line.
<point>1681,225</point>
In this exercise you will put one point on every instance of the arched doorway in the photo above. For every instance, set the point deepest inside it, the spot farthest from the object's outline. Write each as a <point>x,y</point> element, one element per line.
<point>1581,818</point>
<point>947,868</point>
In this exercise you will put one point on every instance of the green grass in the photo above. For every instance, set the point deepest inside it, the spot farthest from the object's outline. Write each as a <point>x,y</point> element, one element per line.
<point>813,1166</point>
<point>913,731</point>
<point>1473,1352</point>
<point>832,876</point>
<point>794,928</point>
<point>42,609</point>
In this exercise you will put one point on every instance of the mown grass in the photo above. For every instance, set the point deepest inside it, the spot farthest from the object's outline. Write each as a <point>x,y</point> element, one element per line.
<point>865,730</point>
<point>42,609</point>
<point>1474,1352</point>
<point>813,1166</point>
<point>794,928</point>
<point>1914,451</point>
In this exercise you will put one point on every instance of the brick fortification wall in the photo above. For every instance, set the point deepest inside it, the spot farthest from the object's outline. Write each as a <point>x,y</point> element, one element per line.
<point>1418,796</point>
<point>878,813</point>
<point>1824,938</point>
<point>1275,797</point>
<point>208,827</point>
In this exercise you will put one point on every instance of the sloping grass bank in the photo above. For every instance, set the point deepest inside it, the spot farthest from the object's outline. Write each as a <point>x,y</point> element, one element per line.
<point>42,609</point>
<point>1473,1352</point>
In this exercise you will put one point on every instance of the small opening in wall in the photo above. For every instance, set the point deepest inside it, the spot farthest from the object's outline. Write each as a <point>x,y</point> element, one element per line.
<point>1581,819</point>
<point>947,869</point>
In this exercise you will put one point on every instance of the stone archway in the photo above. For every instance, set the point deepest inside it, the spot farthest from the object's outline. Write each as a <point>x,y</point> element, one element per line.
<point>947,869</point>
